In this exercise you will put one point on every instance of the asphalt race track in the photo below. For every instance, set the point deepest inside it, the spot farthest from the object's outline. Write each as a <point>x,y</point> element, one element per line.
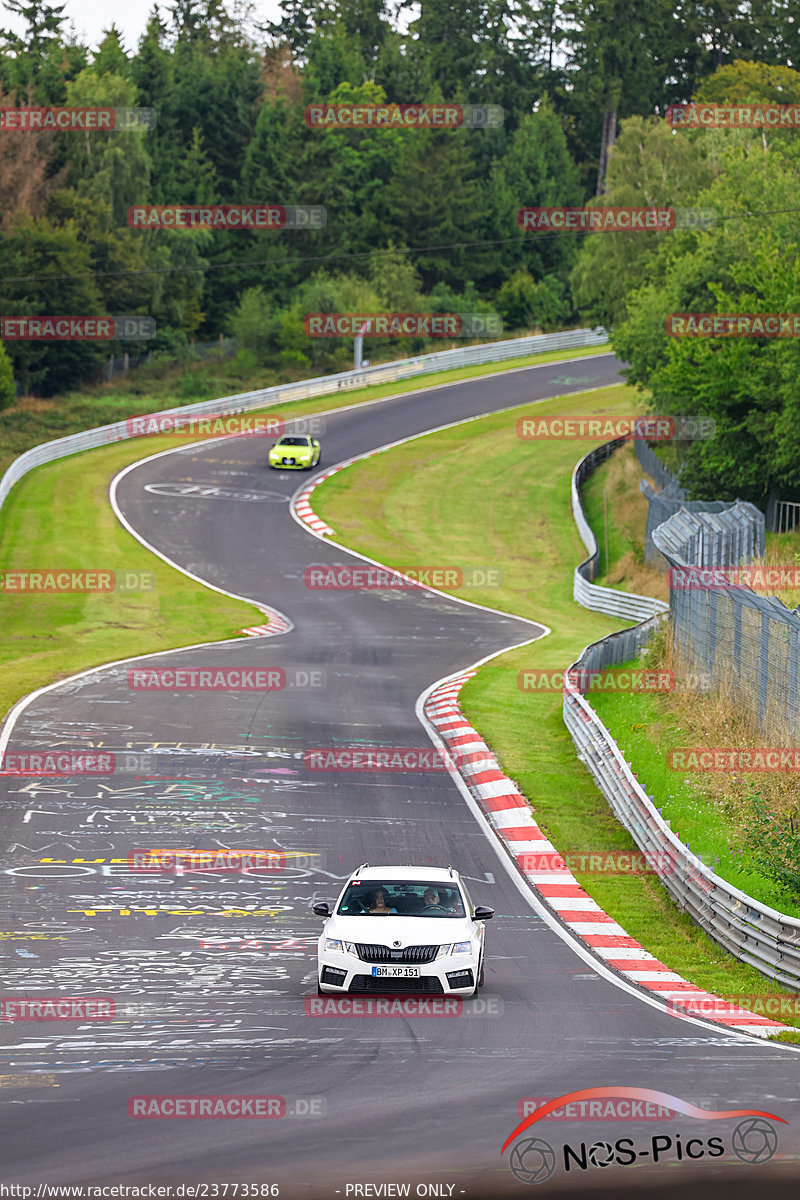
<point>380,1100</point>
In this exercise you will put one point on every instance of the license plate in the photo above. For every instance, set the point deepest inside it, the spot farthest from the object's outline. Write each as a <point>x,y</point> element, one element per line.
<point>395,972</point>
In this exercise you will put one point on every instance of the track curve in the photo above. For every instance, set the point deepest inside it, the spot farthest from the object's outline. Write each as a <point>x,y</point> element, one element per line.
<point>424,1100</point>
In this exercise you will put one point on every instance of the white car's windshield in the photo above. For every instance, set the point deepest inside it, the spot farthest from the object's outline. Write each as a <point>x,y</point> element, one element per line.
<point>373,897</point>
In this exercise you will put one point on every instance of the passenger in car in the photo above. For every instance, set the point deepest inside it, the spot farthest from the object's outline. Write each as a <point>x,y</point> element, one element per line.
<point>378,903</point>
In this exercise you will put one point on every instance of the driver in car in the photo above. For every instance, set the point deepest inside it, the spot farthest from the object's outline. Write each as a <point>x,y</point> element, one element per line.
<point>431,900</point>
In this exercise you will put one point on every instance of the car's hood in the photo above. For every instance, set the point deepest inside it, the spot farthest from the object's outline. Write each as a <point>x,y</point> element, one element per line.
<point>409,931</point>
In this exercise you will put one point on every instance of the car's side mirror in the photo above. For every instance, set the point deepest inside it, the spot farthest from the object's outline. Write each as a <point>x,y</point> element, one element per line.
<point>322,910</point>
<point>482,913</point>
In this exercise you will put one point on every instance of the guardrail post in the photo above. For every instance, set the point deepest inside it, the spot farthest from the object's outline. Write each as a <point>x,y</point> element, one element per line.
<point>794,699</point>
<point>763,668</point>
<point>358,347</point>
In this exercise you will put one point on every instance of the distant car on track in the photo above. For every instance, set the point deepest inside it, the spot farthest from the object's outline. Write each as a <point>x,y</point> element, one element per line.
<point>402,929</point>
<point>294,452</point>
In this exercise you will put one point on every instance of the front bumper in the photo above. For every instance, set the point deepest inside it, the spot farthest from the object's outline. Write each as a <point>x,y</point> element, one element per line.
<point>451,975</point>
<point>282,465</point>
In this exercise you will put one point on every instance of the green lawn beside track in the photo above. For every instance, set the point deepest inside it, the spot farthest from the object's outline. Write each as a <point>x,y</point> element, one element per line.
<point>58,516</point>
<point>476,495</point>
<point>696,821</point>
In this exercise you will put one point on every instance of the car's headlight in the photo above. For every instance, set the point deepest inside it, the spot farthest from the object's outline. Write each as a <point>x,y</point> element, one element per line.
<point>462,947</point>
<point>350,948</point>
<point>332,944</point>
<point>443,950</point>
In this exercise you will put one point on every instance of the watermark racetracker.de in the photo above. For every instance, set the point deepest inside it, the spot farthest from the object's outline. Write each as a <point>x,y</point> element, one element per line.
<point>402,324</point>
<point>57,1008</point>
<point>57,762</point>
<point>604,429</point>
<point>81,120</point>
<point>223,679</point>
<point>372,758</point>
<point>586,680</point>
<point>403,116</point>
<point>227,216</point>
<point>231,860</point>
<point>733,758</point>
<point>613,219</point>
<point>232,1107</point>
<point>336,577</point>
<point>189,425</point>
<point>403,1006</point>
<point>733,116</point>
<point>599,862</point>
<point>733,325</point>
<point>66,328</point>
<point>67,579</point>
<point>712,1008</point>
<point>758,577</point>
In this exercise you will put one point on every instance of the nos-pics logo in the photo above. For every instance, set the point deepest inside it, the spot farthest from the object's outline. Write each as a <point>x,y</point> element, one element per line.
<point>533,1160</point>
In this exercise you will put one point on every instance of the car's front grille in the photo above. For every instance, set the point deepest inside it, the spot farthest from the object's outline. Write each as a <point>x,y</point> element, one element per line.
<point>423,983</point>
<point>385,954</point>
<point>288,462</point>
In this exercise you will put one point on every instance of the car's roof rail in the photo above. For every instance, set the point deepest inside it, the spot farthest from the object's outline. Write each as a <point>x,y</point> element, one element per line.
<point>363,867</point>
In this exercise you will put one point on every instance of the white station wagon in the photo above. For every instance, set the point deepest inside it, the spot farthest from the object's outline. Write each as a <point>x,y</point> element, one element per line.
<point>402,929</point>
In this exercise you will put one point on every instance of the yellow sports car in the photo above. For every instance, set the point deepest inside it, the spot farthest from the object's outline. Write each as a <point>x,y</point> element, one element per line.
<point>294,452</point>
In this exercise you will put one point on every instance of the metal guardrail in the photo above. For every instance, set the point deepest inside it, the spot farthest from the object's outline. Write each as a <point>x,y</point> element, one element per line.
<point>627,605</point>
<point>321,385</point>
<point>751,931</point>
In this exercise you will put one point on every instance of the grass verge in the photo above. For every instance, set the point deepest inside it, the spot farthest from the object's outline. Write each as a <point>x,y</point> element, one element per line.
<point>443,499</point>
<point>646,726</point>
<point>616,482</point>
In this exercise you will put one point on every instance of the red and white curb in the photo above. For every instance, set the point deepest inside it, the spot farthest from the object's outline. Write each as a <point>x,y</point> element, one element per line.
<point>278,623</point>
<point>509,815</point>
<point>301,504</point>
<point>303,508</point>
